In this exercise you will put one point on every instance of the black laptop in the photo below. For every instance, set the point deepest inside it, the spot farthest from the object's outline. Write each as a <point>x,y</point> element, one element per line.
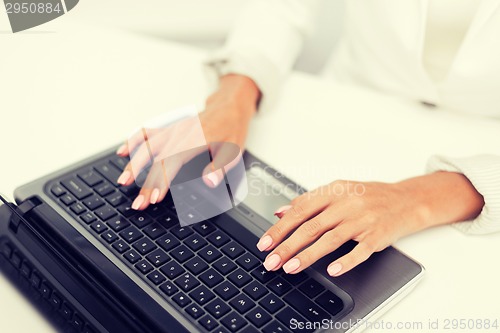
<point>90,263</point>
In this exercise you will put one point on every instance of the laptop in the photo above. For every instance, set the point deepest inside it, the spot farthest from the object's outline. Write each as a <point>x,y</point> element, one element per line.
<point>74,247</point>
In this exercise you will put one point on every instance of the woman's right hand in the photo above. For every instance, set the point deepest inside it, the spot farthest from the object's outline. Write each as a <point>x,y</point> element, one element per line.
<point>226,119</point>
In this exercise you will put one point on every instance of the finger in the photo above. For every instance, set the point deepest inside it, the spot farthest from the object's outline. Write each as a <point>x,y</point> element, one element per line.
<point>226,156</point>
<point>359,254</point>
<point>140,159</point>
<point>327,243</point>
<point>155,186</point>
<point>292,218</point>
<point>307,233</point>
<point>135,140</point>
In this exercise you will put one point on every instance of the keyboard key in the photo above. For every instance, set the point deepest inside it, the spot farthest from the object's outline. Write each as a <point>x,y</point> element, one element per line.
<point>77,188</point>
<point>234,321</point>
<point>195,242</point>
<point>154,231</point>
<point>90,178</point>
<point>168,242</point>
<point>119,162</point>
<point>66,311</point>
<point>288,315</point>
<point>211,278</point>
<point>204,228</point>
<point>330,302</point>
<point>209,253</point>
<point>305,306</point>
<point>99,227</point>
<point>295,279</point>
<point>168,220</point>
<point>276,327</point>
<point>311,288</point>
<point>109,236</point>
<point>208,322</point>
<point>132,256</point>
<point>156,277</point>
<point>93,202</point>
<point>155,210</point>
<point>201,295</point>
<point>263,275</point>
<point>130,234</point>
<point>187,282</point>
<point>172,269</point>
<point>35,280</point>
<point>104,189</point>
<point>255,290</point>
<point>279,286</point>
<point>250,329</point>
<point>258,317</point>
<point>272,303</point>
<point>25,270</point>
<point>109,172</point>
<point>141,220</point>
<point>196,265</point>
<point>57,190</point>
<point>242,303</point>
<point>88,218</point>
<point>233,250</point>
<point>181,232</point>
<point>182,253</point>
<point>67,199</point>
<point>169,288</point>
<point>144,267</point>
<point>217,308</point>
<point>158,257</point>
<point>116,199</point>
<point>144,246</point>
<point>239,277</point>
<point>248,262</point>
<point>195,311</point>
<point>45,290</point>
<point>181,299</point>
<point>120,246</point>
<point>130,191</point>
<point>118,223</point>
<point>226,290</point>
<point>218,238</point>
<point>105,212</point>
<point>126,210</point>
<point>224,265</point>
<point>78,208</point>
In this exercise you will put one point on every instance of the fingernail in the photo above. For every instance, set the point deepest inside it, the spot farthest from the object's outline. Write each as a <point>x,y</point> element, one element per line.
<point>121,150</point>
<point>138,202</point>
<point>154,196</point>
<point>123,179</point>
<point>334,269</point>
<point>272,262</point>
<point>291,265</point>
<point>264,243</point>
<point>282,210</point>
<point>213,178</point>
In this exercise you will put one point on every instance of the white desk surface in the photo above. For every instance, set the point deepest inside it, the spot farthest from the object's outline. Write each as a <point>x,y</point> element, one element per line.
<point>72,92</point>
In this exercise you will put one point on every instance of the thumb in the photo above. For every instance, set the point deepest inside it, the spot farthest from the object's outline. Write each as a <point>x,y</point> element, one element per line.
<point>225,156</point>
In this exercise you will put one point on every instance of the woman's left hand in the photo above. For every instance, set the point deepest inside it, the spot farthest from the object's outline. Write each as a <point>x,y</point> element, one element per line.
<point>373,214</point>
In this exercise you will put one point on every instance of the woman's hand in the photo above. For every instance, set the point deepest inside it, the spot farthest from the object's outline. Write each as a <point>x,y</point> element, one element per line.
<point>225,119</point>
<point>373,214</point>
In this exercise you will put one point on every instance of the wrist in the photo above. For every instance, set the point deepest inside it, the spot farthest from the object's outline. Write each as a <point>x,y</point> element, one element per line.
<point>241,89</point>
<point>442,198</point>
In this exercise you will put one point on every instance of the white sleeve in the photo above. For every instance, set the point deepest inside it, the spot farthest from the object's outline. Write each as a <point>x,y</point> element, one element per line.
<point>264,44</point>
<point>483,171</point>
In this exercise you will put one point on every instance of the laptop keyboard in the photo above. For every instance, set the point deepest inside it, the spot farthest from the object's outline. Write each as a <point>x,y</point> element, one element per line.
<point>211,270</point>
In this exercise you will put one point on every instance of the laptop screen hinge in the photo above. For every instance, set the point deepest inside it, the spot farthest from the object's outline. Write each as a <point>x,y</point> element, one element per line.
<point>24,208</point>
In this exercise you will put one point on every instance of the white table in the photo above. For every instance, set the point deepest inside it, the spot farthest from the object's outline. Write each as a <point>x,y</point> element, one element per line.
<point>69,93</point>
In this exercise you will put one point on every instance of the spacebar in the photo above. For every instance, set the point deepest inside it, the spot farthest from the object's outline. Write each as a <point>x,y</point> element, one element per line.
<point>240,234</point>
